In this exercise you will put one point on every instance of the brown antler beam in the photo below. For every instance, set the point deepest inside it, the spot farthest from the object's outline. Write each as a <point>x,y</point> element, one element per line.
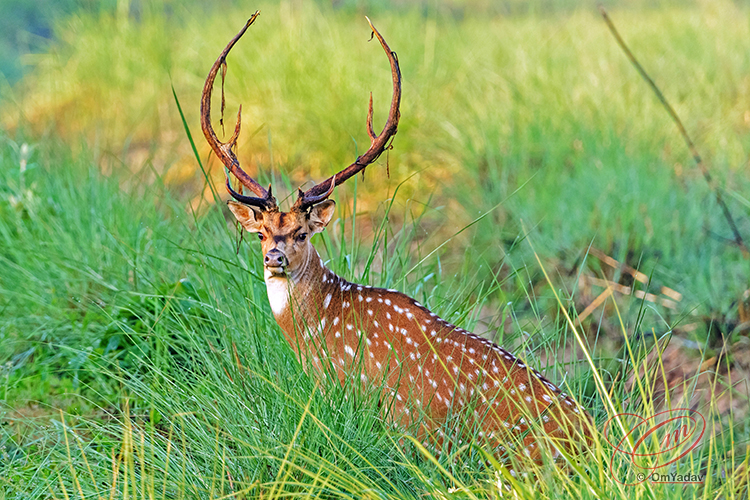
<point>225,150</point>
<point>378,143</point>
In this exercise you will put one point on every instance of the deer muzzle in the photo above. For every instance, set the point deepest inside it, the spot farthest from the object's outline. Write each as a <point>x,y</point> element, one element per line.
<point>275,261</point>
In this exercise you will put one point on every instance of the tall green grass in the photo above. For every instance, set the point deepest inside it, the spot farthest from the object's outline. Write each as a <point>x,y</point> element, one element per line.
<point>152,331</point>
<point>149,326</point>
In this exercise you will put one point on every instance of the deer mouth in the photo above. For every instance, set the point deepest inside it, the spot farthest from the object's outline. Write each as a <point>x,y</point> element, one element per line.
<point>276,270</point>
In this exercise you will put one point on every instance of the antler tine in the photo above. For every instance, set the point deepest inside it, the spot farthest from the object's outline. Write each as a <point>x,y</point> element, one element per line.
<point>370,130</point>
<point>378,143</point>
<point>304,201</point>
<point>224,150</point>
<point>250,200</point>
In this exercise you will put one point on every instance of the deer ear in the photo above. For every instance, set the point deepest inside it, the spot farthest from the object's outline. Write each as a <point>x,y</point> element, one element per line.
<point>250,217</point>
<point>320,215</point>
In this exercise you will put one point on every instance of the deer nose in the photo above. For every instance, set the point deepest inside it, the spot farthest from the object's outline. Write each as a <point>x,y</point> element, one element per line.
<point>274,258</point>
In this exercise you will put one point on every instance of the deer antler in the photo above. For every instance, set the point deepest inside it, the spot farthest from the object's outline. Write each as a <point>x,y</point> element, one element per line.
<point>223,150</point>
<point>378,143</point>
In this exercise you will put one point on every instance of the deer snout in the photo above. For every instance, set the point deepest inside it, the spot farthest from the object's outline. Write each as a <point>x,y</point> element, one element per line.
<point>275,259</point>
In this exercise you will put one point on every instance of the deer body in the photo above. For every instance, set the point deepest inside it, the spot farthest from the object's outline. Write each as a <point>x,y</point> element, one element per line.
<point>427,366</point>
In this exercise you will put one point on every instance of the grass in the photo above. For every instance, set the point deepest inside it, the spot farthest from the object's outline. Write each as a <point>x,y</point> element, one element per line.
<point>135,319</point>
<point>145,319</point>
<point>128,303</point>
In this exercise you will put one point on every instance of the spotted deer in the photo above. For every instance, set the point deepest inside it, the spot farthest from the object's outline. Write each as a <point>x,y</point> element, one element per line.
<point>428,366</point>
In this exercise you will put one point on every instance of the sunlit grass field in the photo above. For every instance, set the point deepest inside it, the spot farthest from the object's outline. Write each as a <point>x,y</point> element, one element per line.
<point>139,358</point>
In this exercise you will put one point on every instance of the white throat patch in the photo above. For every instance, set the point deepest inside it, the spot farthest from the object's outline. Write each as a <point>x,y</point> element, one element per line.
<point>278,291</point>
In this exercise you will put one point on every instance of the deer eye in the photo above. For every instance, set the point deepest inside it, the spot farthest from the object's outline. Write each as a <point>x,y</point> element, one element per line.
<point>301,237</point>
<point>261,236</point>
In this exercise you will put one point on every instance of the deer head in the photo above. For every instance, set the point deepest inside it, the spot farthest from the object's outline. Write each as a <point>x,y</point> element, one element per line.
<point>285,236</point>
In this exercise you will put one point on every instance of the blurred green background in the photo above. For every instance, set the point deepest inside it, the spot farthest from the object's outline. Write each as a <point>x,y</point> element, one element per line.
<point>529,105</point>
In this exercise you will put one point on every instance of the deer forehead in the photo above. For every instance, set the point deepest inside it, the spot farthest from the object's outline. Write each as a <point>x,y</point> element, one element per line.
<point>284,224</point>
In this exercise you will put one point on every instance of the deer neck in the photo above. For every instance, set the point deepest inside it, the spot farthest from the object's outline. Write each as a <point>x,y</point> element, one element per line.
<point>293,297</point>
